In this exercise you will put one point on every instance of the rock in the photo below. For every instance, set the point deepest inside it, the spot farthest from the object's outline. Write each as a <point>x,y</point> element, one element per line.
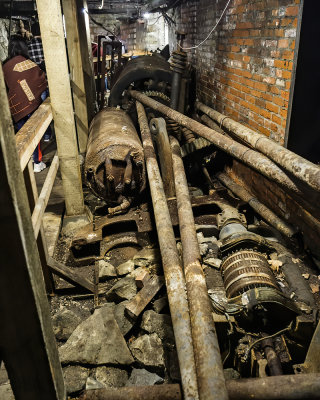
<point>142,377</point>
<point>125,268</point>
<point>212,262</point>
<point>93,384</point>
<point>230,373</point>
<point>97,340</point>
<point>106,270</point>
<point>124,289</point>
<point>111,377</point>
<point>3,375</point>
<point>64,323</point>
<point>147,349</point>
<point>158,323</point>
<point>203,247</point>
<point>123,321</point>
<point>75,378</point>
<point>160,304</point>
<point>137,272</point>
<point>6,392</point>
<point>147,257</point>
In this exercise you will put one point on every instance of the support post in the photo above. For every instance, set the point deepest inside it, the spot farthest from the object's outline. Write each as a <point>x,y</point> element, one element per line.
<point>50,19</point>
<point>27,343</point>
<point>76,72</point>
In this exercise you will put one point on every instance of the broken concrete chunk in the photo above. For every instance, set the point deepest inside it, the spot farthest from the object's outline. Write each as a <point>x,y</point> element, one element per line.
<point>6,392</point>
<point>124,289</point>
<point>212,262</point>
<point>125,268</point>
<point>160,304</point>
<point>147,257</point>
<point>106,270</point>
<point>137,272</point>
<point>111,377</point>
<point>147,349</point>
<point>142,377</point>
<point>75,378</point>
<point>158,323</point>
<point>93,384</point>
<point>64,323</point>
<point>123,321</point>
<point>97,340</point>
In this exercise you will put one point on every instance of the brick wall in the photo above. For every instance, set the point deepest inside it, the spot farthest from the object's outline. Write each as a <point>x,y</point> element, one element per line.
<point>109,21</point>
<point>244,69</point>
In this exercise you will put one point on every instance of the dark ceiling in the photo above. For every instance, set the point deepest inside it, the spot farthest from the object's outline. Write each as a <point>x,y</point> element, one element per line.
<point>126,8</point>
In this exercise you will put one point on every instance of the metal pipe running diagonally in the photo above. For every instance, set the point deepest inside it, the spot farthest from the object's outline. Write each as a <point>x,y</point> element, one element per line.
<point>173,273</point>
<point>254,159</point>
<point>209,369</point>
<point>303,169</point>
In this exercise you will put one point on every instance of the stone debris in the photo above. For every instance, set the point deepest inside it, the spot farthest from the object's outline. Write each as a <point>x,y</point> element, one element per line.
<point>142,377</point>
<point>97,340</point>
<point>314,287</point>
<point>106,270</point>
<point>75,378</point>
<point>125,268</point>
<point>124,322</point>
<point>111,377</point>
<point>213,262</point>
<point>64,323</point>
<point>93,384</point>
<point>124,289</point>
<point>160,304</point>
<point>158,323</point>
<point>147,257</point>
<point>147,349</point>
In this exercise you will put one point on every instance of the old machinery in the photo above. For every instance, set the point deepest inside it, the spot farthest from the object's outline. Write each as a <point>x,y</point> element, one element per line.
<point>114,165</point>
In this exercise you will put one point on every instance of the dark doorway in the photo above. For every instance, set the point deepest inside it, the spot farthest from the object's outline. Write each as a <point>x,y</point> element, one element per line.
<point>304,131</point>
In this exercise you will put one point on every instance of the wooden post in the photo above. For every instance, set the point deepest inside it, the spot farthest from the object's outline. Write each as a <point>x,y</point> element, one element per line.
<point>86,54</point>
<point>50,19</point>
<point>27,343</point>
<point>76,72</point>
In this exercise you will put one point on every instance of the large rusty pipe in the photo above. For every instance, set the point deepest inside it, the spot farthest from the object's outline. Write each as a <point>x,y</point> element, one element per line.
<point>282,387</point>
<point>209,369</point>
<point>254,159</point>
<point>285,387</point>
<point>260,208</point>
<point>303,169</point>
<point>173,273</point>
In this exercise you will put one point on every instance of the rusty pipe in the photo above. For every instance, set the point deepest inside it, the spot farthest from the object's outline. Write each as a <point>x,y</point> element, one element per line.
<point>273,360</point>
<point>260,208</point>
<point>173,273</point>
<point>254,159</point>
<point>209,369</point>
<point>156,392</point>
<point>303,169</point>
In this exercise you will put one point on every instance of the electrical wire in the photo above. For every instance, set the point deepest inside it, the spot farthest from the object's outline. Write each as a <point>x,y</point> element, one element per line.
<point>201,43</point>
<point>288,328</point>
<point>98,24</point>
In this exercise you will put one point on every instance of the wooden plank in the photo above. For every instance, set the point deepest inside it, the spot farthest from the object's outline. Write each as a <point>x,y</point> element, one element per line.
<point>28,137</point>
<point>42,201</point>
<point>70,275</point>
<point>32,192</point>
<point>135,307</point>
<point>86,54</point>
<point>28,346</point>
<point>50,19</point>
<point>142,279</point>
<point>76,72</point>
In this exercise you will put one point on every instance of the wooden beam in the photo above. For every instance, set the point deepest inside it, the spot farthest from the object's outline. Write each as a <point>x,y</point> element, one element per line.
<point>76,72</point>
<point>50,19</point>
<point>86,54</point>
<point>32,192</point>
<point>27,343</point>
<point>32,131</point>
<point>135,307</point>
<point>42,201</point>
<point>70,275</point>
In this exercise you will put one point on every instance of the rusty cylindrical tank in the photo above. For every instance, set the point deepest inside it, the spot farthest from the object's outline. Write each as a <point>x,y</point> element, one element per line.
<point>114,165</point>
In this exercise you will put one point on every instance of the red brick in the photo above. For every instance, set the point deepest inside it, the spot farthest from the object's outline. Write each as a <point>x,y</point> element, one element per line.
<point>292,11</point>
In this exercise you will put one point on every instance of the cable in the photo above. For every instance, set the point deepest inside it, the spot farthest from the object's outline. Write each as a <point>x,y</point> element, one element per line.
<point>288,328</point>
<point>98,24</point>
<point>198,45</point>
